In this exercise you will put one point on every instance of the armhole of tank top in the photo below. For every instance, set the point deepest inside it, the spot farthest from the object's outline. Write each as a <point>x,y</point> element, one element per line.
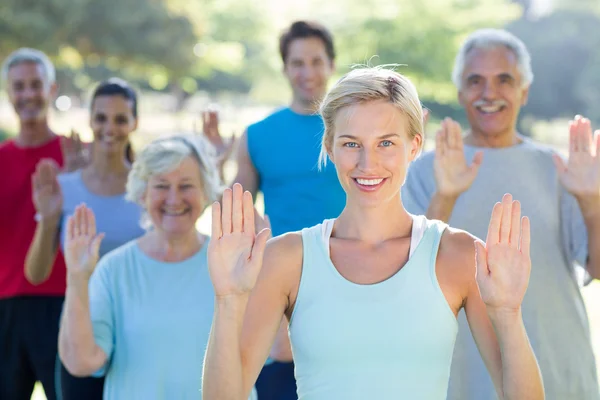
<point>440,228</point>
<point>307,236</point>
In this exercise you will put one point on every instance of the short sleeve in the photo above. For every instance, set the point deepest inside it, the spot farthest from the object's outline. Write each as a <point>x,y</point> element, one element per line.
<point>575,238</point>
<point>415,194</point>
<point>102,311</point>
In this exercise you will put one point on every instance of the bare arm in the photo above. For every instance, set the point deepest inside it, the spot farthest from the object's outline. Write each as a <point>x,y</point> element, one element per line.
<point>42,251</point>
<point>492,306</point>
<point>247,176</point>
<point>282,349</point>
<point>590,209</point>
<point>48,200</point>
<point>76,345</point>
<point>251,292</point>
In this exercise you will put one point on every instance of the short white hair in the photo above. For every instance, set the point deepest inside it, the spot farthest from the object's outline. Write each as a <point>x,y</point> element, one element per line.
<point>489,39</point>
<point>164,155</point>
<point>27,55</point>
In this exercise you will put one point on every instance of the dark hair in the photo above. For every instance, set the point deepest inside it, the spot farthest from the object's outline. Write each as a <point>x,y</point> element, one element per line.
<point>119,87</point>
<point>116,87</point>
<point>304,30</point>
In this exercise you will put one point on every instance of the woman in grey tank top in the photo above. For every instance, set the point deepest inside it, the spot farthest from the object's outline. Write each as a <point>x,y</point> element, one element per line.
<point>101,185</point>
<point>373,130</point>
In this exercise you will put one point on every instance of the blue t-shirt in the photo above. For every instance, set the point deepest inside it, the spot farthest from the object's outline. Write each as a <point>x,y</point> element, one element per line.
<point>116,217</point>
<point>284,149</point>
<point>153,320</point>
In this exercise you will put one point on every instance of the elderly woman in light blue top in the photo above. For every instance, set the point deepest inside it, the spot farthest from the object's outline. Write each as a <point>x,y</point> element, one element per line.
<point>142,316</point>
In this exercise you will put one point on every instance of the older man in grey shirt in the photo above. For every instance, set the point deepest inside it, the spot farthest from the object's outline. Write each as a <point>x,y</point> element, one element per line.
<point>562,198</point>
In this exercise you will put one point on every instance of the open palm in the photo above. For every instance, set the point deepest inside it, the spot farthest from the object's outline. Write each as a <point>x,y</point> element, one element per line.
<point>452,174</point>
<point>47,196</point>
<point>580,175</point>
<point>82,243</point>
<point>235,251</point>
<point>504,263</point>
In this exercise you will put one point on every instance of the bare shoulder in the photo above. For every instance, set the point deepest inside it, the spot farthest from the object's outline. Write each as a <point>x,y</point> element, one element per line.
<point>285,245</point>
<point>283,261</point>
<point>455,265</point>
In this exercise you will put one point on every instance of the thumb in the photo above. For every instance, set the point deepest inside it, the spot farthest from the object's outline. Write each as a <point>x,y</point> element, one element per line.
<point>267,222</point>
<point>95,245</point>
<point>481,260</point>
<point>475,164</point>
<point>559,163</point>
<point>260,243</point>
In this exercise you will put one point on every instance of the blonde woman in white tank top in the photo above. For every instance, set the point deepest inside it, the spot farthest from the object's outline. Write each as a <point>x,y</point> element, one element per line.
<point>373,130</point>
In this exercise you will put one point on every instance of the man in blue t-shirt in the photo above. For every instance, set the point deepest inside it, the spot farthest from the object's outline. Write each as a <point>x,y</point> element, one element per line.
<point>279,156</point>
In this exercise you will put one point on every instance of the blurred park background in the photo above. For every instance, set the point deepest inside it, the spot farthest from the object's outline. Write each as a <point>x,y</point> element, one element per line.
<point>186,55</point>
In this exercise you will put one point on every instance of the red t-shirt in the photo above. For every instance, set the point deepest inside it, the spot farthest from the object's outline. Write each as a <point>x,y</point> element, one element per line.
<point>17,224</point>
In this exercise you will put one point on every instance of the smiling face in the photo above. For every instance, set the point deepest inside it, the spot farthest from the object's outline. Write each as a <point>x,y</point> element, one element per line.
<point>491,91</point>
<point>112,121</point>
<point>175,200</point>
<point>371,150</point>
<point>29,92</point>
<point>308,69</point>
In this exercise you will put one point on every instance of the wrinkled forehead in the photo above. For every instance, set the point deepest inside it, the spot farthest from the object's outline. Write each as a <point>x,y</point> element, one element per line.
<point>490,62</point>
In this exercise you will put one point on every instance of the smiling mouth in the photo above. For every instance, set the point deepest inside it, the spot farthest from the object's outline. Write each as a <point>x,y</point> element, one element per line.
<point>176,213</point>
<point>370,184</point>
<point>490,109</point>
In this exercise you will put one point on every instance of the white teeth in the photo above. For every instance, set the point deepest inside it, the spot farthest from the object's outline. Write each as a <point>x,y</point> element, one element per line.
<point>490,109</point>
<point>369,182</point>
<point>174,212</point>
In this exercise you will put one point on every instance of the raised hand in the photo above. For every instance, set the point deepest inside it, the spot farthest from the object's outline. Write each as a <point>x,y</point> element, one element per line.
<point>82,243</point>
<point>581,174</point>
<point>235,252</point>
<point>452,174</point>
<point>47,196</point>
<point>261,223</point>
<point>504,263</point>
<point>210,128</point>
<point>75,154</point>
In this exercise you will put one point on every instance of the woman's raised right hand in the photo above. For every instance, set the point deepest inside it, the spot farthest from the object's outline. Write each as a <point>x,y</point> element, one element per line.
<point>47,196</point>
<point>235,251</point>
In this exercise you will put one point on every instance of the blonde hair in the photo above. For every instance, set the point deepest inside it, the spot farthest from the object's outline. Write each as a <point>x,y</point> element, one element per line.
<point>165,155</point>
<point>367,84</point>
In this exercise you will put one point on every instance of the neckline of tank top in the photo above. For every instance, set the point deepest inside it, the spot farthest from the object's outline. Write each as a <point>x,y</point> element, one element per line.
<point>420,227</point>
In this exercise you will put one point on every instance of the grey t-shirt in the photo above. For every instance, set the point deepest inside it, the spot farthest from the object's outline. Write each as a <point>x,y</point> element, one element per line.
<point>553,309</point>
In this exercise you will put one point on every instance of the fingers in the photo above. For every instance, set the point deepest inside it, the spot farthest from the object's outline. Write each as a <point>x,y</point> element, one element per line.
<point>226,211</point>
<point>77,222</point>
<point>440,143</point>
<point>91,222</point>
<point>475,164</point>
<point>506,218</point>
<point>559,163</point>
<point>525,236</point>
<point>450,134</point>
<point>585,135</point>
<point>515,223</point>
<point>216,221</point>
<point>573,136</point>
<point>71,227</point>
<point>237,218</point>
<point>493,235</point>
<point>248,204</point>
<point>85,221</point>
<point>258,250</point>
<point>95,245</point>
